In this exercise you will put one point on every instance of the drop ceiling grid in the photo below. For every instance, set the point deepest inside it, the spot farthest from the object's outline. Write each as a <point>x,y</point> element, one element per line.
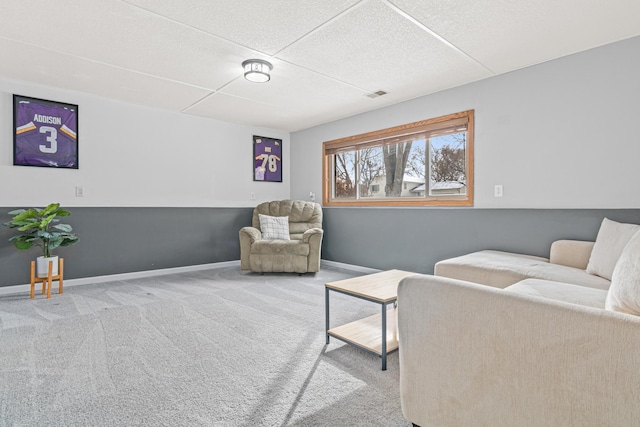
<point>266,26</point>
<point>383,51</point>
<point>165,54</point>
<point>33,64</point>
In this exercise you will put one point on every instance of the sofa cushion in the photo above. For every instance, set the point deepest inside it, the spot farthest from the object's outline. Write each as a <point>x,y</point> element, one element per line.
<point>572,253</point>
<point>501,269</point>
<point>624,293</point>
<point>612,238</point>
<point>559,291</point>
<point>274,227</point>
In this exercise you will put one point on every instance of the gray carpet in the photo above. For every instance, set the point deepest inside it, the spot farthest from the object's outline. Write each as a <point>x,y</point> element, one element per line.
<point>210,348</point>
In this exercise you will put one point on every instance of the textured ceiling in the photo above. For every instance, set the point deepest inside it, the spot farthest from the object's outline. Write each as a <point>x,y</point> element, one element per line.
<point>328,55</point>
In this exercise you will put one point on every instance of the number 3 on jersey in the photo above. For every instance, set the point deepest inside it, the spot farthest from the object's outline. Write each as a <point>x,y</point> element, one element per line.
<point>52,139</point>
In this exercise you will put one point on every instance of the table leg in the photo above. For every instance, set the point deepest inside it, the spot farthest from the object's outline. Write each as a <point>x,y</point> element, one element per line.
<point>326,312</point>
<point>384,337</point>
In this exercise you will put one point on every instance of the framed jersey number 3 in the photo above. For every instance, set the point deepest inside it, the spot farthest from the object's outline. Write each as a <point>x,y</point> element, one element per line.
<point>267,159</point>
<point>45,133</point>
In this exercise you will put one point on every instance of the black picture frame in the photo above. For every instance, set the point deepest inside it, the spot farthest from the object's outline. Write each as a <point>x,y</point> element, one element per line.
<point>267,159</point>
<point>45,133</point>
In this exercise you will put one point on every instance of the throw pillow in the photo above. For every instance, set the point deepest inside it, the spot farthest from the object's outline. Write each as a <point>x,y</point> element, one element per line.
<point>274,227</point>
<point>610,241</point>
<point>624,293</point>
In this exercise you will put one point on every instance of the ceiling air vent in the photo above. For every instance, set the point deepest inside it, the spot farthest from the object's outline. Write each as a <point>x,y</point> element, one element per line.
<point>377,94</point>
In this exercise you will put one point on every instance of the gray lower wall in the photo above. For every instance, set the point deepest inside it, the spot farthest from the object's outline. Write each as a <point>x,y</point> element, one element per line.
<point>124,240</point>
<point>415,239</point>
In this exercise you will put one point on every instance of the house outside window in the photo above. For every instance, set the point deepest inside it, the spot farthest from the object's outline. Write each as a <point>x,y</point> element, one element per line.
<point>419,164</point>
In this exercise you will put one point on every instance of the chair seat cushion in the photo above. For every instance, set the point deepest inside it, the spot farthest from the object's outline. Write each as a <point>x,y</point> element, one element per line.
<point>280,247</point>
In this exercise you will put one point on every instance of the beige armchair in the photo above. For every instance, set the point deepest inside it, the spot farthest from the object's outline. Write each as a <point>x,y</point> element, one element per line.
<point>300,254</point>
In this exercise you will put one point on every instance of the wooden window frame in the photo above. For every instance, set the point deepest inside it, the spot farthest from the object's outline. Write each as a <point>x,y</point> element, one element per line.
<point>376,138</point>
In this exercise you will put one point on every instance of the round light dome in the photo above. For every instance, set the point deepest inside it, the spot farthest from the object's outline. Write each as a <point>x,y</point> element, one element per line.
<point>257,70</point>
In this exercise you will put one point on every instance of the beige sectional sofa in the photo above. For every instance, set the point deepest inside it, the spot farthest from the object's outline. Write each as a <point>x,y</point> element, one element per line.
<point>502,339</point>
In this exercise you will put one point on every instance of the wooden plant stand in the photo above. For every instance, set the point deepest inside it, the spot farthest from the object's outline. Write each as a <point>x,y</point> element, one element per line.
<point>47,281</point>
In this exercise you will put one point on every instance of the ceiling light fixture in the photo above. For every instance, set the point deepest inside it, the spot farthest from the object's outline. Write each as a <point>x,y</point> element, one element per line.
<point>257,70</point>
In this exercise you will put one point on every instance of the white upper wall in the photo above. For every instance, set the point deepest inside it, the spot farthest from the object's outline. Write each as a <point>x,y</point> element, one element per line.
<point>555,135</point>
<point>137,156</point>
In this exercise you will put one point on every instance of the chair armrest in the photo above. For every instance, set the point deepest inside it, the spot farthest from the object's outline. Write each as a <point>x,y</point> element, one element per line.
<point>311,232</point>
<point>248,235</point>
<point>313,237</point>
<point>572,253</point>
<point>477,355</point>
<point>251,233</point>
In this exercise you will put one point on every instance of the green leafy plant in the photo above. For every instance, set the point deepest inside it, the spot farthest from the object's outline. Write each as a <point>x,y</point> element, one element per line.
<point>41,227</point>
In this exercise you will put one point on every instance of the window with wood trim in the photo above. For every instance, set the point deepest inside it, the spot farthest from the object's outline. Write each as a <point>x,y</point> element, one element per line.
<point>418,164</point>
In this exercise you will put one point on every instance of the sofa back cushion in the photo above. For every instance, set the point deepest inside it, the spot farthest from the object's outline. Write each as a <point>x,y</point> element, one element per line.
<point>624,293</point>
<point>611,240</point>
<point>302,215</point>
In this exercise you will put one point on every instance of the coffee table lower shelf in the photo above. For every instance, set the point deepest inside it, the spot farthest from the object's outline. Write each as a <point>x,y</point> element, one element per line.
<point>365,333</point>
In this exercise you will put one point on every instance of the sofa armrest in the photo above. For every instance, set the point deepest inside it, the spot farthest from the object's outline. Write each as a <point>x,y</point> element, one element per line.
<point>572,253</point>
<point>476,355</point>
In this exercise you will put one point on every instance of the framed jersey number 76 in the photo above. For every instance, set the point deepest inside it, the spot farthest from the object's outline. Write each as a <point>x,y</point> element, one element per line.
<point>45,133</point>
<point>267,159</point>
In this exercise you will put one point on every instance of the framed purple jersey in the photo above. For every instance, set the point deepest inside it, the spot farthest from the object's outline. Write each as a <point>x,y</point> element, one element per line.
<point>45,133</point>
<point>267,159</point>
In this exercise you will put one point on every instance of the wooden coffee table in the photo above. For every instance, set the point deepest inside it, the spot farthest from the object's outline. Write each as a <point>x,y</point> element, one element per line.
<point>376,334</point>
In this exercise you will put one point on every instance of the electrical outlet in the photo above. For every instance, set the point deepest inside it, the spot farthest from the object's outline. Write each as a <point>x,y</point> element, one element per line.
<point>79,191</point>
<point>497,190</point>
<point>253,196</point>
<point>312,196</point>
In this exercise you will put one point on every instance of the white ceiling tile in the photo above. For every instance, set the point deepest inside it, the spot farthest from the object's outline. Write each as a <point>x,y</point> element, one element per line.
<point>374,48</point>
<point>126,36</point>
<point>506,35</point>
<point>284,102</point>
<point>266,26</point>
<point>224,107</point>
<point>49,68</point>
<point>292,87</point>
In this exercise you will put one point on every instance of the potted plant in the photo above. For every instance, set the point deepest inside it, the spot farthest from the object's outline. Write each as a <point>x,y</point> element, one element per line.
<point>41,227</point>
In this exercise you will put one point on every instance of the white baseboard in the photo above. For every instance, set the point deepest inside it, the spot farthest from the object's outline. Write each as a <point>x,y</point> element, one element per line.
<point>124,276</point>
<point>164,271</point>
<point>336,264</point>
